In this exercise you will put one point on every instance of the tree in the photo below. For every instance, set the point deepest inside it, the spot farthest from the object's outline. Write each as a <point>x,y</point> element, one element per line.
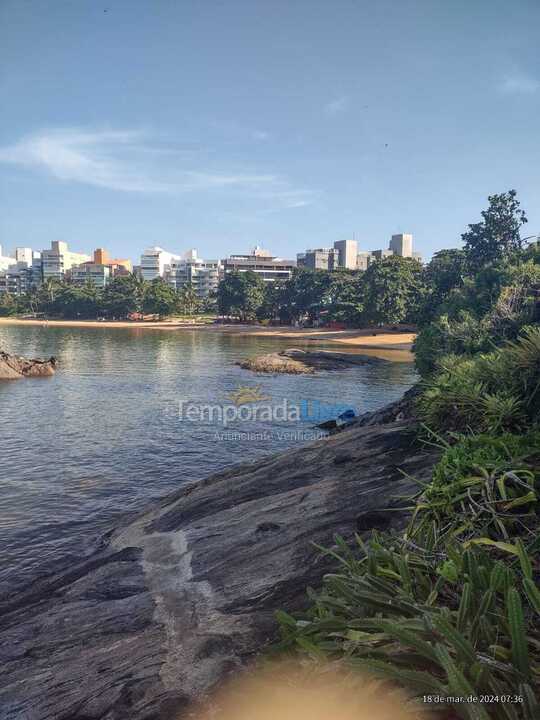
<point>240,294</point>
<point>344,297</point>
<point>188,300</point>
<point>159,298</point>
<point>306,292</point>
<point>8,305</point>
<point>73,301</point>
<point>123,296</point>
<point>497,237</point>
<point>393,290</point>
<point>443,275</point>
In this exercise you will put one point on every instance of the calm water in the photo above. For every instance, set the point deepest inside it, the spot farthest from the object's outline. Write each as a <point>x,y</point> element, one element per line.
<point>103,436</point>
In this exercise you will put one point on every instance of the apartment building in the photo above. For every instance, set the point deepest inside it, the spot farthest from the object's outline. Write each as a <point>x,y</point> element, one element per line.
<point>401,244</point>
<point>262,263</point>
<point>155,261</point>
<point>5,260</point>
<point>100,270</point>
<point>347,253</point>
<point>59,259</point>
<point>203,275</point>
<point>20,273</point>
<point>96,273</point>
<point>319,259</point>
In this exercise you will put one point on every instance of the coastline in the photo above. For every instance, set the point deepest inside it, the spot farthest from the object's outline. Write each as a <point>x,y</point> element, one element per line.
<point>398,343</point>
<point>178,595</point>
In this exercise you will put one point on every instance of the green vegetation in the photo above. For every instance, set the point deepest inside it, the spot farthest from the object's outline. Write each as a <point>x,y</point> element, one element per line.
<point>451,605</point>
<point>125,295</point>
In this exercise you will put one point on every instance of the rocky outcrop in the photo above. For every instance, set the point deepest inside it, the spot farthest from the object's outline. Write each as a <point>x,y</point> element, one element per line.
<point>172,600</point>
<point>13,367</point>
<point>298,362</point>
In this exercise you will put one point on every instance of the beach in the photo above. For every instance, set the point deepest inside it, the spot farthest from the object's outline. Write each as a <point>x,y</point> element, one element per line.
<point>378,339</point>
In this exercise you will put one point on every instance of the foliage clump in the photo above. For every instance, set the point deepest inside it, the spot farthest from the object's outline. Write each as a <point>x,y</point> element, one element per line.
<point>450,607</point>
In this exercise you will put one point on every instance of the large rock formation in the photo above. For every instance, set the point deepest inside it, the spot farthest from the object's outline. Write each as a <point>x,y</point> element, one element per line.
<point>13,367</point>
<point>177,597</point>
<point>299,362</point>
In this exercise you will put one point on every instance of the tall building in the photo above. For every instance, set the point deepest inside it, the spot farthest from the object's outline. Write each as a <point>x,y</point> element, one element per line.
<point>363,259</point>
<point>96,273</point>
<point>203,275</point>
<point>24,255</point>
<point>319,259</point>
<point>59,259</point>
<point>381,254</point>
<point>347,253</point>
<point>6,261</point>
<point>259,261</point>
<point>22,273</point>
<point>401,244</point>
<point>155,261</point>
<point>100,270</point>
<point>117,265</point>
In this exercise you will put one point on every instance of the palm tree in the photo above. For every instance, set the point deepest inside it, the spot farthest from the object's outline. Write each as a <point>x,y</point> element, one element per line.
<point>189,300</point>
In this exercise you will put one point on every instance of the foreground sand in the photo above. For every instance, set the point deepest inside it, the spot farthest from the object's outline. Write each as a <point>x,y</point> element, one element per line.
<point>382,342</point>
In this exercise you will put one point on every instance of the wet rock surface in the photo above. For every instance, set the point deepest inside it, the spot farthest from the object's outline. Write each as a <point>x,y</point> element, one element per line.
<point>13,367</point>
<point>297,362</point>
<point>174,599</point>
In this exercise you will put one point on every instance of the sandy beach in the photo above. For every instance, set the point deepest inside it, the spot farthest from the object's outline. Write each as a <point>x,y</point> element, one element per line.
<point>383,342</point>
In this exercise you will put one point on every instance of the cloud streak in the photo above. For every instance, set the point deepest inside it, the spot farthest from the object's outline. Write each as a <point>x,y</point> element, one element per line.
<point>337,106</point>
<point>518,83</point>
<point>126,161</point>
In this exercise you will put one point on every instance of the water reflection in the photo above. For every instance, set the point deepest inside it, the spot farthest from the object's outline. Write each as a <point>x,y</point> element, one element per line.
<point>102,436</point>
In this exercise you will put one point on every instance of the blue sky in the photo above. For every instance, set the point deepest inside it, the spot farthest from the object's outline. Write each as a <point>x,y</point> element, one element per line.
<point>288,124</point>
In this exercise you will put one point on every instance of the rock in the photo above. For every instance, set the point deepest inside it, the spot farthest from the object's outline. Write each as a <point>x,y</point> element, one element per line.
<point>296,362</point>
<point>176,598</point>
<point>13,367</point>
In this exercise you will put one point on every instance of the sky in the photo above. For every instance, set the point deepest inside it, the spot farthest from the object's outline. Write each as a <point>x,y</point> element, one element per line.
<point>286,124</point>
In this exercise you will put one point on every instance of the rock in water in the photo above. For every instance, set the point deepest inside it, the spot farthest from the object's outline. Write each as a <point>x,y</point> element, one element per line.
<point>13,367</point>
<point>173,600</point>
<point>299,362</point>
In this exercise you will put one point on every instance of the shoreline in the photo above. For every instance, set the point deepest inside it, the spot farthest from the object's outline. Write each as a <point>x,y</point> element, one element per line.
<point>236,545</point>
<point>398,343</point>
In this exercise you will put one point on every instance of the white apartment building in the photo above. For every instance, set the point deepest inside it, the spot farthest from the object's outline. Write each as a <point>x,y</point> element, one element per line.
<point>96,273</point>
<point>203,275</point>
<point>6,261</point>
<point>56,261</point>
<point>18,274</point>
<point>155,261</point>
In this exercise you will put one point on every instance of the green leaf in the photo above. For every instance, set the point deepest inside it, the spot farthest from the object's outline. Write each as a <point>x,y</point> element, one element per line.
<point>522,500</point>
<point>464,607</point>
<point>533,593</point>
<point>520,655</point>
<point>459,686</point>
<point>524,560</point>
<point>505,547</point>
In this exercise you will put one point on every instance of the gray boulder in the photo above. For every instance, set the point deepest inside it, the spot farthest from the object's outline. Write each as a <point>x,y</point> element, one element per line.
<point>176,598</point>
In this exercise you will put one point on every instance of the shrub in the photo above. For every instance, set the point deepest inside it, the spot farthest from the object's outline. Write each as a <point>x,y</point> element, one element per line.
<point>444,609</point>
<point>465,336</point>
<point>493,392</point>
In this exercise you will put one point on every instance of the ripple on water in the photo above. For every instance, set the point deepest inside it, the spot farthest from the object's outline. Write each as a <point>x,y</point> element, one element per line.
<point>102,436</point>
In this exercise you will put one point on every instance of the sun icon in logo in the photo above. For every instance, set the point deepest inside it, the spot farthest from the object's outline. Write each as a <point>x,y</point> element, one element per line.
<point>245,395</point>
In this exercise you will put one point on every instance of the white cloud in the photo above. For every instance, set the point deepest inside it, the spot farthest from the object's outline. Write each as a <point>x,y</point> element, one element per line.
<point>119,160</point>
<point>260,135</point>
<point>337,106</point>
<point>518,83</point>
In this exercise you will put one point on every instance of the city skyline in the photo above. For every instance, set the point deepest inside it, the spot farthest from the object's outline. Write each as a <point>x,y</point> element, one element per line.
<point>288,126</point>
